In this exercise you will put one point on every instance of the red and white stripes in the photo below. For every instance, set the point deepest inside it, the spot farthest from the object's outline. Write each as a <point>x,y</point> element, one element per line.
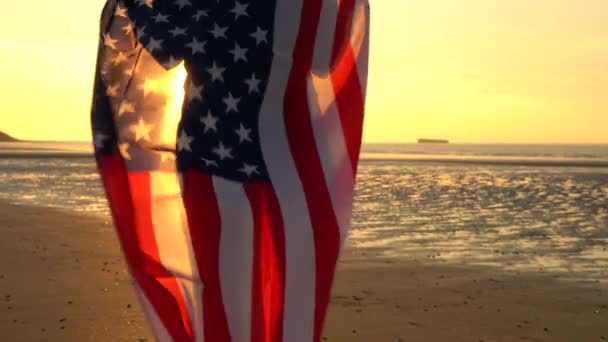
<point>215,260</point>
<point>131,201</point>
<point>300,274</point>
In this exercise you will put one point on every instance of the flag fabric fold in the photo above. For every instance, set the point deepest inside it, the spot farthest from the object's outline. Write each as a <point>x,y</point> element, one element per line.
<point>227,135</point>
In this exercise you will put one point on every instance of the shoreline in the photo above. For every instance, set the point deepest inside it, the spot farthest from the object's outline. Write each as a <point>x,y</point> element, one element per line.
<point>63,278</point>
<point>579,163</point>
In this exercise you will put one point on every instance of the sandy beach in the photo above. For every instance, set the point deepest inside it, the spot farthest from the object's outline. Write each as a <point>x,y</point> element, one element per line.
<point>62,278</point>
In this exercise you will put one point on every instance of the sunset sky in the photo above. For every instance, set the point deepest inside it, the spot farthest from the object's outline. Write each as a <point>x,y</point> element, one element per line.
<point>469,70</point>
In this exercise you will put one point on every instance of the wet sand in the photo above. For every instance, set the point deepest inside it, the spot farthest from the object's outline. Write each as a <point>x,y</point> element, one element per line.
<point>62,278</point>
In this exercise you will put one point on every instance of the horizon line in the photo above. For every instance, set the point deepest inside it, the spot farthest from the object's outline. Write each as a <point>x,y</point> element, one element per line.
<point>384,142</point>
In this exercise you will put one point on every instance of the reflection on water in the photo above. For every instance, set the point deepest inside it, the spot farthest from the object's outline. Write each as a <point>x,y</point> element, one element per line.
<point>64,147</point>
<point>70,183</point>
<point>515,217</point>
<point>520,218</point>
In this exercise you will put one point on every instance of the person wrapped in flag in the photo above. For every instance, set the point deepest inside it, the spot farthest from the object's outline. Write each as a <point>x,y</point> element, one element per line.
<point>232,199</point>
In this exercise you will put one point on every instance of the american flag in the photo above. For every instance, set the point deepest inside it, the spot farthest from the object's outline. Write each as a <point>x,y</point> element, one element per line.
<point>232,213</point>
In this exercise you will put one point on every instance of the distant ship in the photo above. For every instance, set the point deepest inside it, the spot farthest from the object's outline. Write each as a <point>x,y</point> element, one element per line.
<point>433,141</point>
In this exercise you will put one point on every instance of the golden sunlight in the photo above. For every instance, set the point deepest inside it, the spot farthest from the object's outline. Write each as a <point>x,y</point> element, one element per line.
<point>173,87</point>
<point>476,71</point>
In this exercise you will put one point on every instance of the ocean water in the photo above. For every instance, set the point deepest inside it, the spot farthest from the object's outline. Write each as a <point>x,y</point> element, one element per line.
<point>516,207</point>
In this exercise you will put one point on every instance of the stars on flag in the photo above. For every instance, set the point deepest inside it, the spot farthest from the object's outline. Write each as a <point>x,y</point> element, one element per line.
<point>182,3</point>
<point>197,46</point>
<point>126,107</point>
<point>160,18</point>
<point>148,3</point>
<point>249,170</point>
<point>228,60</point>
<point>239,53</point>
<point>209,162</point>
<point>171,63</point>
<point>109,41</point>
<point>194,92</point>
<point>141,130</point>
<point>218,31</point>
<point>119,58</point>
<point>231,102</point>
<point>260,36</point>
<point>244,134</point>
<point>184,142</point>
<point>140,32</point>
<point>199,14</point>
<point>128,72</point>
<point>178,31</point>
<point>216,72</point>
<point>210,122</point>
<point>239,10</point>
<point>127,29</point>
<point>154,45</point>
<point>112,90</point>
<point>121,12</point>
<point>253,83</point>
<point>223,152</point>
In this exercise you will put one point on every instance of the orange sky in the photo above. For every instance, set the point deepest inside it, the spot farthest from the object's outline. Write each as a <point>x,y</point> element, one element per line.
<point>470,71</point>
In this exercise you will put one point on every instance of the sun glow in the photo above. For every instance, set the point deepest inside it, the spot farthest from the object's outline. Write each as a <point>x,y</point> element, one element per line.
<point>173,87</point>
<point>470,71</point>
